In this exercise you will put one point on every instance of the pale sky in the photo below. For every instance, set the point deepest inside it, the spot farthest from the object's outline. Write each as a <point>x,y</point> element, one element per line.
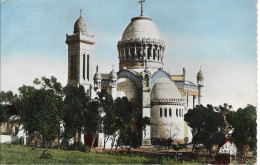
<point>219,35</point>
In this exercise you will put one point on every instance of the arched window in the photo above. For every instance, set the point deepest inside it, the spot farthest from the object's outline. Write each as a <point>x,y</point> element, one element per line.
<point>133,53</point>
<point>165,112</point>
<point>88,67</point>
<point>149,53</point>
<point>139,53</point>
<point>170,112</point>
<point>71,67</point>
<point>153,54</point>
<point>180,112</point>
<point>74,67</point>
<point>160,112</point>
<point>84,63</point>
<point>177,112</point>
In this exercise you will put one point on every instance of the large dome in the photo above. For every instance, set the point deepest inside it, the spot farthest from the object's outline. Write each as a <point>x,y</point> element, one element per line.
<point>165,89</point>
<point>141,27</point>
<point>80,26</point>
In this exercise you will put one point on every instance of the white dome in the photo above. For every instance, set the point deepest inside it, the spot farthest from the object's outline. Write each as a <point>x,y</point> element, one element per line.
<point>165,89</point>
<point>141,27</point>
<point>97,76</point>
<point>113,75</point>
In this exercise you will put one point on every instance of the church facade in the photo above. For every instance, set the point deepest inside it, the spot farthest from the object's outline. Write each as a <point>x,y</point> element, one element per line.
<point>163,97</point>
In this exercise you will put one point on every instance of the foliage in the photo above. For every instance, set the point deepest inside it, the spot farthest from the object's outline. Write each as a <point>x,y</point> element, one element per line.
<point>6,100</point>
<point>79,146</point>
<point>7,97</point>
<point>4,116</point>
<point>205,123</point>
<point>225,110</point>
<point>166,143</point>
<point>18,141</point>
<point>40,109</point>
<point>75,105</point>
<point>244,123</point>
<point>109,125</point>
<point>46,155</point>
<point>92,120</point>
<point>125,113</point>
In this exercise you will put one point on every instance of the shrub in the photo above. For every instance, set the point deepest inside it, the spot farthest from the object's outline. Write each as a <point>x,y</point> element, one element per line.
<point>18,141</point>
<point>79,147</point>
<point>46,155</point>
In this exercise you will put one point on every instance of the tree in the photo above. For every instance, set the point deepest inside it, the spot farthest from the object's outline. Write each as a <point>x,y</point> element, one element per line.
<point>75,105</point>
<point>40,109</point>
<point>244,123</point>
<point>206,124</point>
<point>92,120</point>
<point>124,111</point>
<point>225,111</point>
<point>108,126</point>
<point>5,99</point>
<point>4,116</point>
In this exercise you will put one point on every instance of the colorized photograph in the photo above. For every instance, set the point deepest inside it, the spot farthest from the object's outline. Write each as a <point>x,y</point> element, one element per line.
<point>128,82</point>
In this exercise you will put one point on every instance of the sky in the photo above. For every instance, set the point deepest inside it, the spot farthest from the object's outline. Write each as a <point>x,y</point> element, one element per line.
<point>219,35</point>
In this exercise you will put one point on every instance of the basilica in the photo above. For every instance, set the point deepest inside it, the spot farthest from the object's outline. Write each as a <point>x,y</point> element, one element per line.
<point>164,98</point>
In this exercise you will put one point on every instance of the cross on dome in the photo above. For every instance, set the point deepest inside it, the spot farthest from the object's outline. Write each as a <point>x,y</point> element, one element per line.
<point>80,11</point>
<point>141,2</point>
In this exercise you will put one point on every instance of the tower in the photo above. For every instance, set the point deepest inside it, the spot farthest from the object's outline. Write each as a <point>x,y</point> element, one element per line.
<point>80,54</point>
<point>113,84</point>
<point>200,79</point>
<point>97,81</point>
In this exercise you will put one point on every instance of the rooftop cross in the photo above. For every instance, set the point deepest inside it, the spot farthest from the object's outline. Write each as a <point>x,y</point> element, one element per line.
<point>141,2</point>
<point>80,11</point>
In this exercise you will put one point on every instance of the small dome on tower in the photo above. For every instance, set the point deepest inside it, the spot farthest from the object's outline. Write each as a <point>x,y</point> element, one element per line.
<point>97,75</point>
<point>200,77</point>
<point>113,75</point>
<point>80,26</point>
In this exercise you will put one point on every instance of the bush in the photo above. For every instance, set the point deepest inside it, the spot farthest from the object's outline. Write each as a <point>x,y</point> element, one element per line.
<point>46,155</point>
<point>79,147</point>
<point>18,141</point>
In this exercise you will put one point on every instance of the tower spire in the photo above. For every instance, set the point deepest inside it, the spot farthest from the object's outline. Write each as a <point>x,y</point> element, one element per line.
<point>141,2</point>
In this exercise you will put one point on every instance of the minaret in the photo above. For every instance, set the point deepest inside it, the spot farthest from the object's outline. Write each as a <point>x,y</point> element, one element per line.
<point>80,55</point>
<point>200,79</point>
<point>113,84</point>
<point>97,81</point>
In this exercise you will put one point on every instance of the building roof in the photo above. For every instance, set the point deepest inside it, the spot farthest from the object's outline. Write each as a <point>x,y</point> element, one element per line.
<point>105,76</point>
<point>178,77</point>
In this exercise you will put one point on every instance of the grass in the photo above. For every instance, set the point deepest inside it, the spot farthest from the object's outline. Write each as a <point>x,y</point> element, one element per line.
<point>17,154</point>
